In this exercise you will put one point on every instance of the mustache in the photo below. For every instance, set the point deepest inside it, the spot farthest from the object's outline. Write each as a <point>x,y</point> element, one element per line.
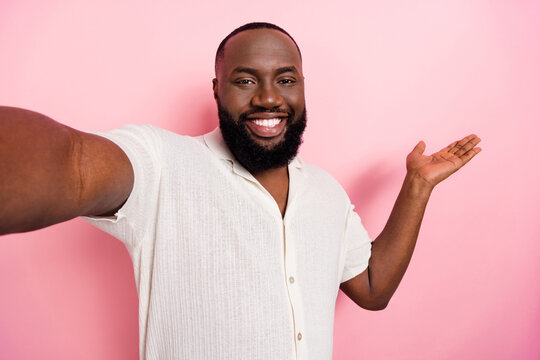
<point>244,115</point>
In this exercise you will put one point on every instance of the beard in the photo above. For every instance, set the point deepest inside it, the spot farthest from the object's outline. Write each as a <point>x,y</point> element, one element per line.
<point>253,156</point>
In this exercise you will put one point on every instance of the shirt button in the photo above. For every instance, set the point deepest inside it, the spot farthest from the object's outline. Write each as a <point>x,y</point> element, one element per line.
<point>291,280</point>
<point>299,336</point>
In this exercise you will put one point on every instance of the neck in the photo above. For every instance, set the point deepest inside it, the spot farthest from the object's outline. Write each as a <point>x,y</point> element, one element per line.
<point>271,174</point>
<point>276,182</point>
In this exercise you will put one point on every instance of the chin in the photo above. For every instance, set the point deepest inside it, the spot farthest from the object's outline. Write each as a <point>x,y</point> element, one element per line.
<point>257,153</point>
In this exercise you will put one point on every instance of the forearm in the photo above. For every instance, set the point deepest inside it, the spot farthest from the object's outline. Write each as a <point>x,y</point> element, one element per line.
<point>393,248</point>
<point>36,175</point>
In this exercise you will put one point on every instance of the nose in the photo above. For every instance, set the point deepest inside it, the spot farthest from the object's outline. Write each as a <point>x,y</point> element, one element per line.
<point>267,96</point>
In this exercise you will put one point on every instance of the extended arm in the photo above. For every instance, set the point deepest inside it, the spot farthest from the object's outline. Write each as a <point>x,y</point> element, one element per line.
<point>393,248</point>
<point>50,173</point>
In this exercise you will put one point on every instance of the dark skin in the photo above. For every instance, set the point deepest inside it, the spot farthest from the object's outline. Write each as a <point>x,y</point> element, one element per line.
<point>52,173</point>
<point>264,52</point>
<point>260,72</point>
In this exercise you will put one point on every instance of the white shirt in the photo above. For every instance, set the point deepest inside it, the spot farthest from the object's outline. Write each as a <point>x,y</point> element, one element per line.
<point>220,274</point>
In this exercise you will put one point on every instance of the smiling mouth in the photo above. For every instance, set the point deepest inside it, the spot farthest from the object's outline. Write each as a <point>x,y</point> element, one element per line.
<point>267,127</point>
<point>269,123</point>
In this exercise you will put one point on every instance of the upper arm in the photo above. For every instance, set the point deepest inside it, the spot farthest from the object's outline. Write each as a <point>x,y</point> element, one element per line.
<point>358,289</point>
<point>105,174</point>
<point>355,280</point>
<point>51,173</point>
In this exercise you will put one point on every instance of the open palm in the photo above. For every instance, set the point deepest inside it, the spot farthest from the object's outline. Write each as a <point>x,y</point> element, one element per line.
<point>440,165</point>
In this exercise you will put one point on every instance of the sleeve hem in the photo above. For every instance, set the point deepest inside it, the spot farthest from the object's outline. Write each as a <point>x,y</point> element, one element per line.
<point>351,273</point>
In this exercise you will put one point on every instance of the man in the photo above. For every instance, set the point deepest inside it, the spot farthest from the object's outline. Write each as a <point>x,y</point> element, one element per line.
<point>238,247</point>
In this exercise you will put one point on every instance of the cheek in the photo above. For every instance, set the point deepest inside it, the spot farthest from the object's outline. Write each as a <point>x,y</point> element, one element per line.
<point>235,99</point>
<point>295,96</point>
<point>296,101</point>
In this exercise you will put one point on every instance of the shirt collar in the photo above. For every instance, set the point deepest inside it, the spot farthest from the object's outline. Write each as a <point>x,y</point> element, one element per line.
<point>214,141</point>
<point>216,144</point>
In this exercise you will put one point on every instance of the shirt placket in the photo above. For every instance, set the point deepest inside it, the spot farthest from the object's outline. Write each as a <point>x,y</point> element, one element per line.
<point>289,258</point>
<point>292,284</point>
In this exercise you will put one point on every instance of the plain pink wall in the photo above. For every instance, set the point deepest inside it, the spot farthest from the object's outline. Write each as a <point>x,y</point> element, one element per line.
<point>379,77</point>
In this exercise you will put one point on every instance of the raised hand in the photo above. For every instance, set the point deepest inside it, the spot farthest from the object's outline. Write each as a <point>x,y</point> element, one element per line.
<point>436,167</point>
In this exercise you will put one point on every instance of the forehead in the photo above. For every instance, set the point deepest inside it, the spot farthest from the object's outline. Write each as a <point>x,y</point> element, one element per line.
<point>261,49</point>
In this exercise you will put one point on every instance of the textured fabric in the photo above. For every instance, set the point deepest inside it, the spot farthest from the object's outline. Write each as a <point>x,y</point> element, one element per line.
<point>220,274</point>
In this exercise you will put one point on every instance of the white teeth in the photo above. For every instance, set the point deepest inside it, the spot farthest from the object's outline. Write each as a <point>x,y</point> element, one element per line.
<point>267,122</point>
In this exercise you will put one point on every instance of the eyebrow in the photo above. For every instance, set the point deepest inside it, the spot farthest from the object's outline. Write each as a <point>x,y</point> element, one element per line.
<point>254,72</point>
<point>285,69</point>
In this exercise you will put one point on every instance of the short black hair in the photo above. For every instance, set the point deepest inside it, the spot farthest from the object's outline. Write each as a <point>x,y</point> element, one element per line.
<point>251,26</point>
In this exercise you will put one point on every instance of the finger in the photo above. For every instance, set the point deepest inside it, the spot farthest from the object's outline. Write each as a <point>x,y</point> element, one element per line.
<point>470,154</point>
<point>468,146</point>
<point>419,148</point>
<point>459,144</point>
<point>446,149</point>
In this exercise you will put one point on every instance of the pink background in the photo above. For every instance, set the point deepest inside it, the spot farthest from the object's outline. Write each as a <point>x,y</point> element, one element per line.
<point>379,77</point>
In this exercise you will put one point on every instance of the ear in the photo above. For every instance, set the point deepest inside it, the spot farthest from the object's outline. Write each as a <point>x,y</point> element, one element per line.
<point>215,88</point>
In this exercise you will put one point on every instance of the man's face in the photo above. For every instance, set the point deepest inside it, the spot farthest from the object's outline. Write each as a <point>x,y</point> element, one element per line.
<point>259,90</point>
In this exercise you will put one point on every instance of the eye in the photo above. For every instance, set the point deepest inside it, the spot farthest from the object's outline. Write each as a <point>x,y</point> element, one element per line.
<point>244,82</point>
<point>287,81</point>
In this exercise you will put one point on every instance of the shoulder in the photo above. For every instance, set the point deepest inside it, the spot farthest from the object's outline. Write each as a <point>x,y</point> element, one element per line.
<point>321,180</point>
<point>316,173</point>
<point>149,138</point>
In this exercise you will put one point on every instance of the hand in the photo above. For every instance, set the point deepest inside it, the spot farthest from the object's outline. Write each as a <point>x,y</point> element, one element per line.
<point>436,167</point>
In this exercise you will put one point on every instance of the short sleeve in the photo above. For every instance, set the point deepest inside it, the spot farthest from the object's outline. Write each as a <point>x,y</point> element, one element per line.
<point>357,247</point>
<point>136,218</point>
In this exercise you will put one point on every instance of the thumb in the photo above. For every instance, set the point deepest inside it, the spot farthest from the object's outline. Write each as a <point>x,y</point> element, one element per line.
<point>420,148</point>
